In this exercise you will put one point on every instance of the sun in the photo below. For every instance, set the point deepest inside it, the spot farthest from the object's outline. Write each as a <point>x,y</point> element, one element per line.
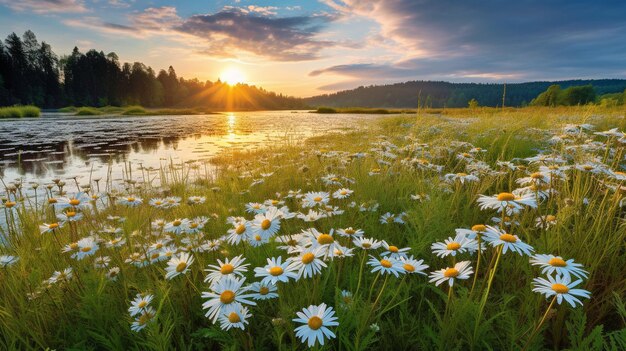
<point>232,76</point>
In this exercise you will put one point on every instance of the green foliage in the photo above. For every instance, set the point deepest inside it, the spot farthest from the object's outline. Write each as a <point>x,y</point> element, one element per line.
<point>87,111</point>
<point>19,111</point>
<point>473,103</point>
<point>572,96</point>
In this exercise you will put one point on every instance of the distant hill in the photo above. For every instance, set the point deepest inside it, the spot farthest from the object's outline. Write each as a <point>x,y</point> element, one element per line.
<point>440,94</point>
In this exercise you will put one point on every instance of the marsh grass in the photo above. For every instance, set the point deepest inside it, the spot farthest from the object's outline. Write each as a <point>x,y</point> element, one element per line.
<point>91,312</point>
<point>19,111</point>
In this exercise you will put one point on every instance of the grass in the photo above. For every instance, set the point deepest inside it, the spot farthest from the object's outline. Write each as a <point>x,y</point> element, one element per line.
<point>360,110</point>
<point>134,110</point>
<point>500,312</point>
<point>19,111</point>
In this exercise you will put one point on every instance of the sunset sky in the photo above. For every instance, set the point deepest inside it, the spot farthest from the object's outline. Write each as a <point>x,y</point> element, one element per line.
<point>310,47</point>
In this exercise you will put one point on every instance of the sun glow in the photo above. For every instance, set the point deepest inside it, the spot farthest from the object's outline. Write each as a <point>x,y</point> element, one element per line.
<point>232,76</point>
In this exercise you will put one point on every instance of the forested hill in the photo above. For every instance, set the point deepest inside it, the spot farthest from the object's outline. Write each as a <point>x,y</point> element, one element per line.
<point>31,73</point>
<point>440,94</point>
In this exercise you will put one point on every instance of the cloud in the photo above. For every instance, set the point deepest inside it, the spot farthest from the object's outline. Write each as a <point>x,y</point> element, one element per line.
<point>489,40</point>
<point>46,6</point>
<point>279,38</point>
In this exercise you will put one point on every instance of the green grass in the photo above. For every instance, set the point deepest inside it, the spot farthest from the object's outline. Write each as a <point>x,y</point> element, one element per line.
<point>19,111</point>
<point>130,111</point>
<point>91,312</point>
<point>359,110</point>
<point>87,111</point>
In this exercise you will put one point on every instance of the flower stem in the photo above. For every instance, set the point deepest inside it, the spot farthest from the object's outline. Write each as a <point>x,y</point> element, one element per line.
<point>536,330</point>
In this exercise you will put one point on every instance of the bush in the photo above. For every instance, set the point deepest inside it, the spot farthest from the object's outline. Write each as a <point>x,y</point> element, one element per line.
<point>135,110</point>
<point>19,111</point>
<point>87,111</point>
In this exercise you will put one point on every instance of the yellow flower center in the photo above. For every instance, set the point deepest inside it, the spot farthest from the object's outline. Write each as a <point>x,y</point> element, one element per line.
<point>408,267</point>
<point>176,223</point>
<point>479,228</point>
<point>276,271</point>
<point>227,269</point>
<point>350,231</point>
<point>308,258</point>
<point>587,167</point>
<point>181,267</point>
<point>335,179</point>
<point>53,225</point>
<point>550,218</point>
<point>71,214</point>
<point>257,237</point>
<point>74,246</point>
<point>536,175</point>
<point>465,154</point>
<point>325,239</point>
<point>155,255</point>
<point>315,322</point>
<point>9,204</point>
<point>508,238</point>
<point>227,297</point>
<point>343,192</point>
<point>264,290</point>
<point>506,197</point>
<point>560,288</point>
<point>193,225</point>
<point>453,246</point>
<point>265,225</point>
<point>451,273</point>
<point>386,263</point>
<point>366,245</point>
<point>240,229</point>
<point>234,318</point>
<point>86,249</point>
<point>275,202</point>
<point>130,199</point>
<point>158,203</point>
<point>557,262</point>
<point>317,199</point>
<point>52,201</point>
<point>393,249</point>
<point>142,304</point>
<point>461,174</point>
<point>74,202</point>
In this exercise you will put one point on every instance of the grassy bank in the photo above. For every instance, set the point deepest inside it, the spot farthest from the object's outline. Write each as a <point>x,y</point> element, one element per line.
<point>19,111</point>
<point>409,184</point>
<point>129,110</point>
<point>360,110</point>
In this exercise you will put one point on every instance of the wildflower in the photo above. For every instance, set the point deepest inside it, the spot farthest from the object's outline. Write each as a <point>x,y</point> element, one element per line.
<point>176,226</point>
<point>178,265</point>
<point>311,216</point>
<point>350,232</point>
<point>69,216</point>
<point>196,200</point>
<point>102,262</point>
<point>386,265</point>
<point>461,270</point>
<point>308,263</point>
<point>346,298</point>
<point>312,199</point>
<point>235,318</point>
<point>460,177</point>
<point>233,267</point>
<point>506,201</point>
<point>545,222</point>
<point>412,265</point>
<point>113,273</point>
<point>292,242</point>
<point>477,230</point>
<point>142,321</point>
<point>325,241</point>
<point>420,197</point>
<point>8,260</point>
<point>451,246</point>
<point>275,271</point>
<point>267,224</point>
<point>116,242</point>
<point>255,207</point>
<point>393,251</point>
<point>342,193</point>
<point>50,227</point>
<point>497,237</point>
<point>562,288</point>
<point>81,200</point>
<point>388,218</point>
<point>86,247</point>
<point>556,264</point>
<point>225,296</point>
<point>130,201</point>
<point>172,201</point>
<point>367,243</point>
<point>61,276</point>
<point>260,291</point>
<point>316,320</point>
<point>139,304</point>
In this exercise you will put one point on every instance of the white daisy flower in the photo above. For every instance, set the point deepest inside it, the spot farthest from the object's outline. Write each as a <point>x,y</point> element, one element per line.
<point>267,224</point>
<point>139,304</point>
<point>232,267</point>
<point>504,201</point>
<point>393,251</point>
<point>556,264</point>
<point>562,287</point>
<point>386,265</point>
<point>308,263</point>
<point>260,291</point>
<point>235,318</point>
<point>225,296</point>
<point>142,321</point>
<point>316,320</point>
<point>342,193</point>
<point>461,270</point>
<point>497,237</point>
<point>367,243</point>
<point>8,260</point>
<point>275,271</point>
<point>452,246</point>
<point>86,247</point>
<point>178,265</point>
<point>413,266</point>
<point>130,201</point>
<point>350,232</point>
<point>312,199</point>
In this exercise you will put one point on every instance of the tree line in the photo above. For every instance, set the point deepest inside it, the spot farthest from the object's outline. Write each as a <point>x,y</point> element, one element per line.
<point>445,94</point>
<point>31,73</point>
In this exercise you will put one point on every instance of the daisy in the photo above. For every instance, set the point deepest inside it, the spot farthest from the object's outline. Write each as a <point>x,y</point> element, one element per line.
<point>81,200</point>
<point>8,260</point>
<point>233,267</point>
<point>196,200</point>
<point>86,247</point>
<point>172,201</point>
<point>275,271</point>
<point>255,207</point>
<point>142,321</point>
<point>61,276</point>
<point>461,270</point>
<point>292,243</point>
<point>342,193</point>
<point>413,266</point>
<point>69,216</point>
<point>139,304</point>
<point>101,262</point>
<point>393,251</point>
<point>225,296</point>
<point>350,232</point>
<point>561,287</point>
<point>460,177</point>
<point>178,265</point>
<point>260,291</point>
<point>307,263</point>
<point>267,224</point>
<point>130,201</point>
<point>545,222</point>
<point>367,243</point>
<point>315,320</point>
<point>50,227</point>
<point>236,318</point>
<point>312,199</point>
<point>503,201</point>
<point>497,237</point>
<point>451,246</point>
<point>238,233</point>
<point>386,265</point>
<point>113,273</point>
<point>551,264</point>
<point>325,241</point>
<point>176,226</point>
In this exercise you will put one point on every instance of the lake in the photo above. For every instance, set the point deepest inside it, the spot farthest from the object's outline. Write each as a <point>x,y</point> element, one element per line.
<point>62,146</point>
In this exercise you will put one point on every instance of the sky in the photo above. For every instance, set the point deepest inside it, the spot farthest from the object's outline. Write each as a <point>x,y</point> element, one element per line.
<point>311,47</point>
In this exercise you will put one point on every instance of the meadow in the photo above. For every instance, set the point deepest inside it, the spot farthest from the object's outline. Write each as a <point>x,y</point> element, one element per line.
<point>462,230</point>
